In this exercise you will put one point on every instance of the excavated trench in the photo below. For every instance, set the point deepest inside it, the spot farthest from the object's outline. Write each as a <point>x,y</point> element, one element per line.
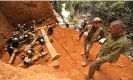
<point>65,41</point>
<point>13,13</point>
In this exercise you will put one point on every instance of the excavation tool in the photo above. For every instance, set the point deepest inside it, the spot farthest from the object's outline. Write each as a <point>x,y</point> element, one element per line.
<point>35,58</point>
<point>41,40</point>
<point>50,31</point>
<point>16,51</point>
<point>13,56</point>
<point>44,27</point>
<point>41,50</point>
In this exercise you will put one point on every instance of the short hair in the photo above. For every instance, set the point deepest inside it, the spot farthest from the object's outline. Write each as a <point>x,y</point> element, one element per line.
<point>118,23</point>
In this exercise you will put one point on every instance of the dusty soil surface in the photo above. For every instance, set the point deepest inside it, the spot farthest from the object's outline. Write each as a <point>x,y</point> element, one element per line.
<point>8,72</point>
<point>66,43</point>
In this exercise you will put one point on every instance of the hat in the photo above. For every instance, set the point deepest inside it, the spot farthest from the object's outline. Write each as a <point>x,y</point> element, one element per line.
<point>84,16</point>
<point>88,14</point>
<point>97,19</point>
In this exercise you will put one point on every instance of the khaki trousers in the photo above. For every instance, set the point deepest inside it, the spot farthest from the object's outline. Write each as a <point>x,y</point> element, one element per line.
<point>93,67</point>
<point>87,46</point>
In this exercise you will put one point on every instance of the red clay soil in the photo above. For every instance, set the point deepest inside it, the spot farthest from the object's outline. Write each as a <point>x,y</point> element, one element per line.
<point>20,12</point>
<point>8,72</point>
<point>66,43</point>
<point>5,31</point>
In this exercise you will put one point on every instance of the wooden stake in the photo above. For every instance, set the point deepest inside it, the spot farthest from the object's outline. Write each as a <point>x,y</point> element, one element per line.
<point>50,47</point>
<point>12,57</point>
<point>44,27</point>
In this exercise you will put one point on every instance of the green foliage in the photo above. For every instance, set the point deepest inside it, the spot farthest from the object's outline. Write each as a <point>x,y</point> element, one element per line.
<point>58,6</point>
<point>107,10</point>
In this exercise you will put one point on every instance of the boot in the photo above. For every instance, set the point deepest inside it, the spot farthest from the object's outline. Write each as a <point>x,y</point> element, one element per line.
<point>88,78</point>
<point>85,62</point>
<point>83,53</point>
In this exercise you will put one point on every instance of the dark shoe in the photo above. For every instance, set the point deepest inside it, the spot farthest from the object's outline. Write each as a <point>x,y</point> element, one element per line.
<point>88,78</point>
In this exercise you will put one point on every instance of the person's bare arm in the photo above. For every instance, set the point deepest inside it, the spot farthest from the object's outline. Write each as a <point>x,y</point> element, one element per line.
<point>82,32</point>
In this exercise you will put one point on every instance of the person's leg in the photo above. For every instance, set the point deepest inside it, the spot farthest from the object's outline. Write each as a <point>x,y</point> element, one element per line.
<point>92,69</point>
<point>98,67</point>
<point>85,44</point>
<point>86,54</point>
<point>88,47</point>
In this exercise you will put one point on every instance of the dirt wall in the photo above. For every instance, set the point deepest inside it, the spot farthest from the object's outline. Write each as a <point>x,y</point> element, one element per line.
<point>5,31</point>
<point>19,12</point>
<point>24,11</point>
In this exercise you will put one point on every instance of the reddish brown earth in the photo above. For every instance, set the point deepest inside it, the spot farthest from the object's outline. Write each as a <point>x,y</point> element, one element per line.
<point>5,31</point>
<point>8,72</point>
<point>20,12</point>
<point>68,39</point>
<point>66,43</point>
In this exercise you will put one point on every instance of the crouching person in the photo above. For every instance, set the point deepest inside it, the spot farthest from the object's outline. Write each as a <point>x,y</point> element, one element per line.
<point>110,51</point>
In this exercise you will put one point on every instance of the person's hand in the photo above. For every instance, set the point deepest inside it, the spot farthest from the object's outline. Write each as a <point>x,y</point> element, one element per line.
<point>80,36</point>
<point>97,60</point>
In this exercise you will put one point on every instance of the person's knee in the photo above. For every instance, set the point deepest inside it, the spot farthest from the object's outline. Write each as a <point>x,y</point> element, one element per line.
<point>87,51</point>
<point>85,45</point>
<point>93,64</point>
<point>88,47</point>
